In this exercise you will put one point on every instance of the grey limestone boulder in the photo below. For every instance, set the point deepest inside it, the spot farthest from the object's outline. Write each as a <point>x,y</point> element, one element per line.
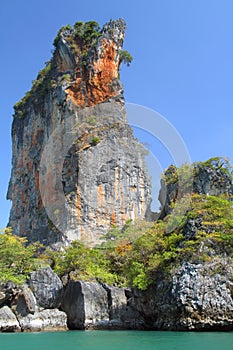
<point>119,313</point>
<point>47,288</point>
<point>32,318</point>
<point>86,305</point>
<point>117,302</point>
<point>24,303</point>
<point>45,320</point>
<point>8,321</point>
<point>7,291</point>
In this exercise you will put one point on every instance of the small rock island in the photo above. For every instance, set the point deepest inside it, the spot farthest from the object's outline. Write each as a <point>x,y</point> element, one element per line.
<point>83,249</point>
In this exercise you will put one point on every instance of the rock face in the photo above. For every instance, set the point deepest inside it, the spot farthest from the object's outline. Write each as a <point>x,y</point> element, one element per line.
<point>204,295</point>
<point>24,303</point>
<point>76,167</point>
<point>7,291</point>
<point>27,312</point>
<point>197,297</point>
<point>47,288</point>
<point>206,178</point>
<point>90,305</point>
<point>86,305</point>
<point>45,320</point>
<point>8,320</point>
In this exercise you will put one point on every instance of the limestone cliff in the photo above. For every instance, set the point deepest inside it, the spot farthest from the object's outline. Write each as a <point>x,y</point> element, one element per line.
<point>76,168</point>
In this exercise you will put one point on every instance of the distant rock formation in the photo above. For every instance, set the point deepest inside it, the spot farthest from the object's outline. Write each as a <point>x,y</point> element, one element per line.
<point>208,178</point>
<point>94,176</point>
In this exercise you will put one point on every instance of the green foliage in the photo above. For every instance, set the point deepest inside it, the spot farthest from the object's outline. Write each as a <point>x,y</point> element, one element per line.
<point>178,216</point>
<point>84,57</point>
<point>170,175</point>
<point>95,140</point>
<point>221,164</point>
<point>81,37</point>
<point>16,259</point>
<point>183,175</point>
<point>128,234</point>
<point>91,120</point>
<point>78,26</point>
<point>87,32</point>
<point>66,78</point>
<point>125,57</point>
<point>139,252</point>
<point>82,263</point>
<point>138,261</point>
<point>186,172</point>
<point>135,254</point>
<point>40,88</point>
<point>91,32</point>
<point>62,29</point>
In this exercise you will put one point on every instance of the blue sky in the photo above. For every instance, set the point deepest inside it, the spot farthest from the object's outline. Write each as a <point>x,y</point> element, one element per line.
<point>182,67</point>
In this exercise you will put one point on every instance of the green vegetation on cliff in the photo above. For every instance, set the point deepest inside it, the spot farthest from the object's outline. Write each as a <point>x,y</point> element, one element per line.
<point>16,259</point>
<point>79,40</point>
<point>137,253</point>
<point>40,87</point>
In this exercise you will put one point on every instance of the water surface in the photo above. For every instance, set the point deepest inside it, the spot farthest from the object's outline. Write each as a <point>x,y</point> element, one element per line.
<point>117,340</point>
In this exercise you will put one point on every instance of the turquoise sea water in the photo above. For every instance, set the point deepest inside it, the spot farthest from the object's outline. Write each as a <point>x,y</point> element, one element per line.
<point>117,340</point>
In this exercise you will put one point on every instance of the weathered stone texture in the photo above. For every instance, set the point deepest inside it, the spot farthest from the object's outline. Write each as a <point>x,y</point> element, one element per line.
<point>21,310</point>
<point>203,180</point>
<point>47,288</point>
<point>86,305</point>
<point>102,173</point>
<point>45,320</point>
<point>8,320</point>
<point>7,291</point>
<point>197,297</point>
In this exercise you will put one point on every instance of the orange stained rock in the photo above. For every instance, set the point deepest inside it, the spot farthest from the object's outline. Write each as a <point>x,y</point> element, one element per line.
<point>100,196</point>
<point>123,218</point>
<point>78,205</point>
<point>113,219</point>
<point>95,85</point>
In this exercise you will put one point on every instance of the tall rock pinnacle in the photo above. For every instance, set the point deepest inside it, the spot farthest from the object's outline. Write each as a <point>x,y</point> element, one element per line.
<point>76,168</point>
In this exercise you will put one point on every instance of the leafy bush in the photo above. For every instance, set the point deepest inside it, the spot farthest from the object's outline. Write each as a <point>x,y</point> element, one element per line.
<point>39,89</point>
<point>220,164</point>
<point>125,57</point>
<point>95,140</point>
<point>137,262</point>
<point>91,120</point>
<point>16,259</point>
<point>82,263</point>
<point>62,29</point>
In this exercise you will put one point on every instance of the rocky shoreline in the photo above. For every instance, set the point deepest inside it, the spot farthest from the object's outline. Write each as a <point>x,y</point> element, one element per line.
<point>196,298</point>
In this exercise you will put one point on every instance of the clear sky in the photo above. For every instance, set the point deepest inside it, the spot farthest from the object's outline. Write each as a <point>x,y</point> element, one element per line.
<point>182,67</point>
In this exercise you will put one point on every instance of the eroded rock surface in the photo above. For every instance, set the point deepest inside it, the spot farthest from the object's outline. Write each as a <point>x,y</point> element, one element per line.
<point>94,175</point>
<point>197,297</point>
<point>8,320</point>
<point>86,305</point>
<point>47,288</point>
<point>28,312</point>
